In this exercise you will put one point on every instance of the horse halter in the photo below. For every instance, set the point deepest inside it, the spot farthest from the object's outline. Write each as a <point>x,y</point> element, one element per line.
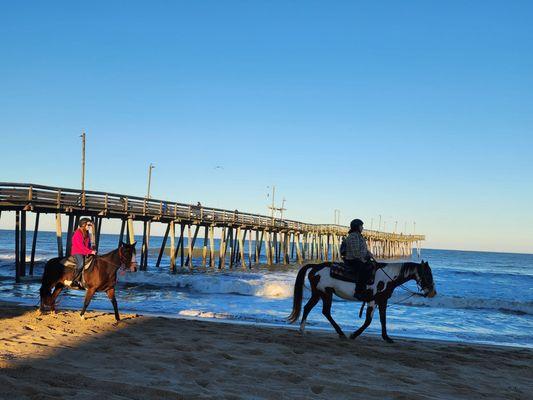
<point>122,257</point>
<point>426,279</point>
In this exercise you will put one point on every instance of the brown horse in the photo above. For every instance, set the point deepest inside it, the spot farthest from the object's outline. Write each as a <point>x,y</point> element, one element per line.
<point>100,277</point>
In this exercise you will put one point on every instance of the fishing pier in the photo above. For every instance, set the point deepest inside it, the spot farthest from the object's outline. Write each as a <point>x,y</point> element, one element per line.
<point>244,237</point>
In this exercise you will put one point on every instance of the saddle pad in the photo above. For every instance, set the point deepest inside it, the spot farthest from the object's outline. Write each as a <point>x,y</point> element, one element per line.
<point>341,272</point>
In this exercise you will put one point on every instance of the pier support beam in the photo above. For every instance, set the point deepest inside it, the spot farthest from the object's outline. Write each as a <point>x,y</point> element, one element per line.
<point>172,251</point>
<point>23,243</point>
<point>17,246</point>
<point>190,245</point>
<point>70,231</point>
<point>212,247</point>
<point>242,239</point>
<point>204,247</point>
<point>163,244</point>
<point>222,250</point>
<point>34,242</point>
<point>59,236</point>
<point>131,233</point>
<point>122,228</point>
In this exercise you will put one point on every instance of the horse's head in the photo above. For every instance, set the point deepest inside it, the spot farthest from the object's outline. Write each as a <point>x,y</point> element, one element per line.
<point>127,256</point>
<point>424,278</point>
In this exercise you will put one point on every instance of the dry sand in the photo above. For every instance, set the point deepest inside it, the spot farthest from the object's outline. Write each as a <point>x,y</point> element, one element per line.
<point>60,356</point>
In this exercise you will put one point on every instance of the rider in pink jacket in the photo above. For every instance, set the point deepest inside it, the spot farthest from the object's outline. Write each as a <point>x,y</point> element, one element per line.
<point>81,247</point>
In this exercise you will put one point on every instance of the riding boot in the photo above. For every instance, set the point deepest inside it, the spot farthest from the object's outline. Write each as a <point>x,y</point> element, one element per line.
<point>76,284</point>
<point>361,292</point>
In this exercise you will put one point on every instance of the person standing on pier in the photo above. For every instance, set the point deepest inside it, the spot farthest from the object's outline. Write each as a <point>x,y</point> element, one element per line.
<point>81,247</point>
<point>357,256</point>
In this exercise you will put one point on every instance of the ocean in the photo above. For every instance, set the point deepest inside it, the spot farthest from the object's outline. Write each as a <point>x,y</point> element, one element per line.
<point>482,297</point>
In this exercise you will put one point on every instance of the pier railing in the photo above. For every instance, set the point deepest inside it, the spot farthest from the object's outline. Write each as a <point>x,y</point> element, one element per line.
<point>47,199</point>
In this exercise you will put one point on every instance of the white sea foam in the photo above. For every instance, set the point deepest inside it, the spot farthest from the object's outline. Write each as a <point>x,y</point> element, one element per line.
<point>247,284</point>
<point>204,314</point>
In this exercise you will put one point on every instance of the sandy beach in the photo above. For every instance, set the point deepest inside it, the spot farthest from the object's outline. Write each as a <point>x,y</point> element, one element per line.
<point>61,356</point>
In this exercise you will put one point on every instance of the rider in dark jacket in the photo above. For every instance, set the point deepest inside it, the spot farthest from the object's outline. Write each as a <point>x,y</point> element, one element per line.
<point>357,256</point>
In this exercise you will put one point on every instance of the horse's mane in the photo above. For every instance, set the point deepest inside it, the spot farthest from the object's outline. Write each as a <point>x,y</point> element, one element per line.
<point>408,268</point>
<point>109,253</point>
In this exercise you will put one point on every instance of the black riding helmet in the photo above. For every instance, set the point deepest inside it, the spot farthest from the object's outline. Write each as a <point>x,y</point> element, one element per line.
<point>355,224</point>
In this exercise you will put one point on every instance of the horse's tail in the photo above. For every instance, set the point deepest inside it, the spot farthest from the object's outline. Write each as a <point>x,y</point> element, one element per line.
<point>47,281</point>
<point>298,293</point>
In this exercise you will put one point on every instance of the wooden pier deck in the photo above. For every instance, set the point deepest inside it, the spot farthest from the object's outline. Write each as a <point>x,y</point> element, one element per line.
<point>243,236</point>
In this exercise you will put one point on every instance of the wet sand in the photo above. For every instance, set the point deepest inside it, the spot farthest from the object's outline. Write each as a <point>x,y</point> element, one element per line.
<point>61,356</point>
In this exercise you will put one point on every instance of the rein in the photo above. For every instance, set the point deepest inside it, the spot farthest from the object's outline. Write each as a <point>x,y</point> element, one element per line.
<point>411,293</point>
<point>121,257</point>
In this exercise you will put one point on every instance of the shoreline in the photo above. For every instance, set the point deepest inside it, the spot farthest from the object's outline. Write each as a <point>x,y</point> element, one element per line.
<point>61,355</point>
<point>272,325</point>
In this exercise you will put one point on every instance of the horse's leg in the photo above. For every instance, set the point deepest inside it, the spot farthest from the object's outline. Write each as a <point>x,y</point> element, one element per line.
<point>368,320</point>
<point>383,319</point>
<point>88,296</point>
<point>57,290</point>
<point>111,296</point>
<point>315,296</point>
<point>327,298</point>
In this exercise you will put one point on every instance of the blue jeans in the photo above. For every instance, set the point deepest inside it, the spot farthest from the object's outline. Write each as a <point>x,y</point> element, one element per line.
<point>80,260</point>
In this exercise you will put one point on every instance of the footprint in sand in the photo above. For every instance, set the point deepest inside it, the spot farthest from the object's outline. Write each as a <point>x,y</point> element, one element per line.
<point>255,352</point>
<point>317,389</point>
<point>202,382</point>
<point>189,359</point>
<point>227,356</point>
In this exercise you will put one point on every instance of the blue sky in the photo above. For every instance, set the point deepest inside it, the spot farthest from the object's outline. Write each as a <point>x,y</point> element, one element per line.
<point>418,111</point>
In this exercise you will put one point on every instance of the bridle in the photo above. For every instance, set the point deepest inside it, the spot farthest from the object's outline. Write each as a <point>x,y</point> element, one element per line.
<point>412,293</point>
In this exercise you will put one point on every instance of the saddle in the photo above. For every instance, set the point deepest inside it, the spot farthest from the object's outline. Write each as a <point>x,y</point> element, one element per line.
<point>340,271</point>
<point>70,262</point>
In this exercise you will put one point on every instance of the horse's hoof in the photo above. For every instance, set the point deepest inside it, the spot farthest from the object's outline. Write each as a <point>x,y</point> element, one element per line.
<point>343,337</point>
<point>388,339</point>
<point>353,336</point>
<point>82,317</point>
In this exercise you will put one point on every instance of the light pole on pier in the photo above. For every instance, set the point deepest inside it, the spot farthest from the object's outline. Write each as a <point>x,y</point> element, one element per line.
<point>83,168</point>
<point>379,225</point>
<point>336,216</point>
<point>282,209</point>
<point>395,226</point>
<point>82,161</point>
<point>150,168</point>
<point>272,207</point>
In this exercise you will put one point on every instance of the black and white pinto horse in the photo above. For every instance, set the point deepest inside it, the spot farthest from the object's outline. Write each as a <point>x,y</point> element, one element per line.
<point>387,278</point>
